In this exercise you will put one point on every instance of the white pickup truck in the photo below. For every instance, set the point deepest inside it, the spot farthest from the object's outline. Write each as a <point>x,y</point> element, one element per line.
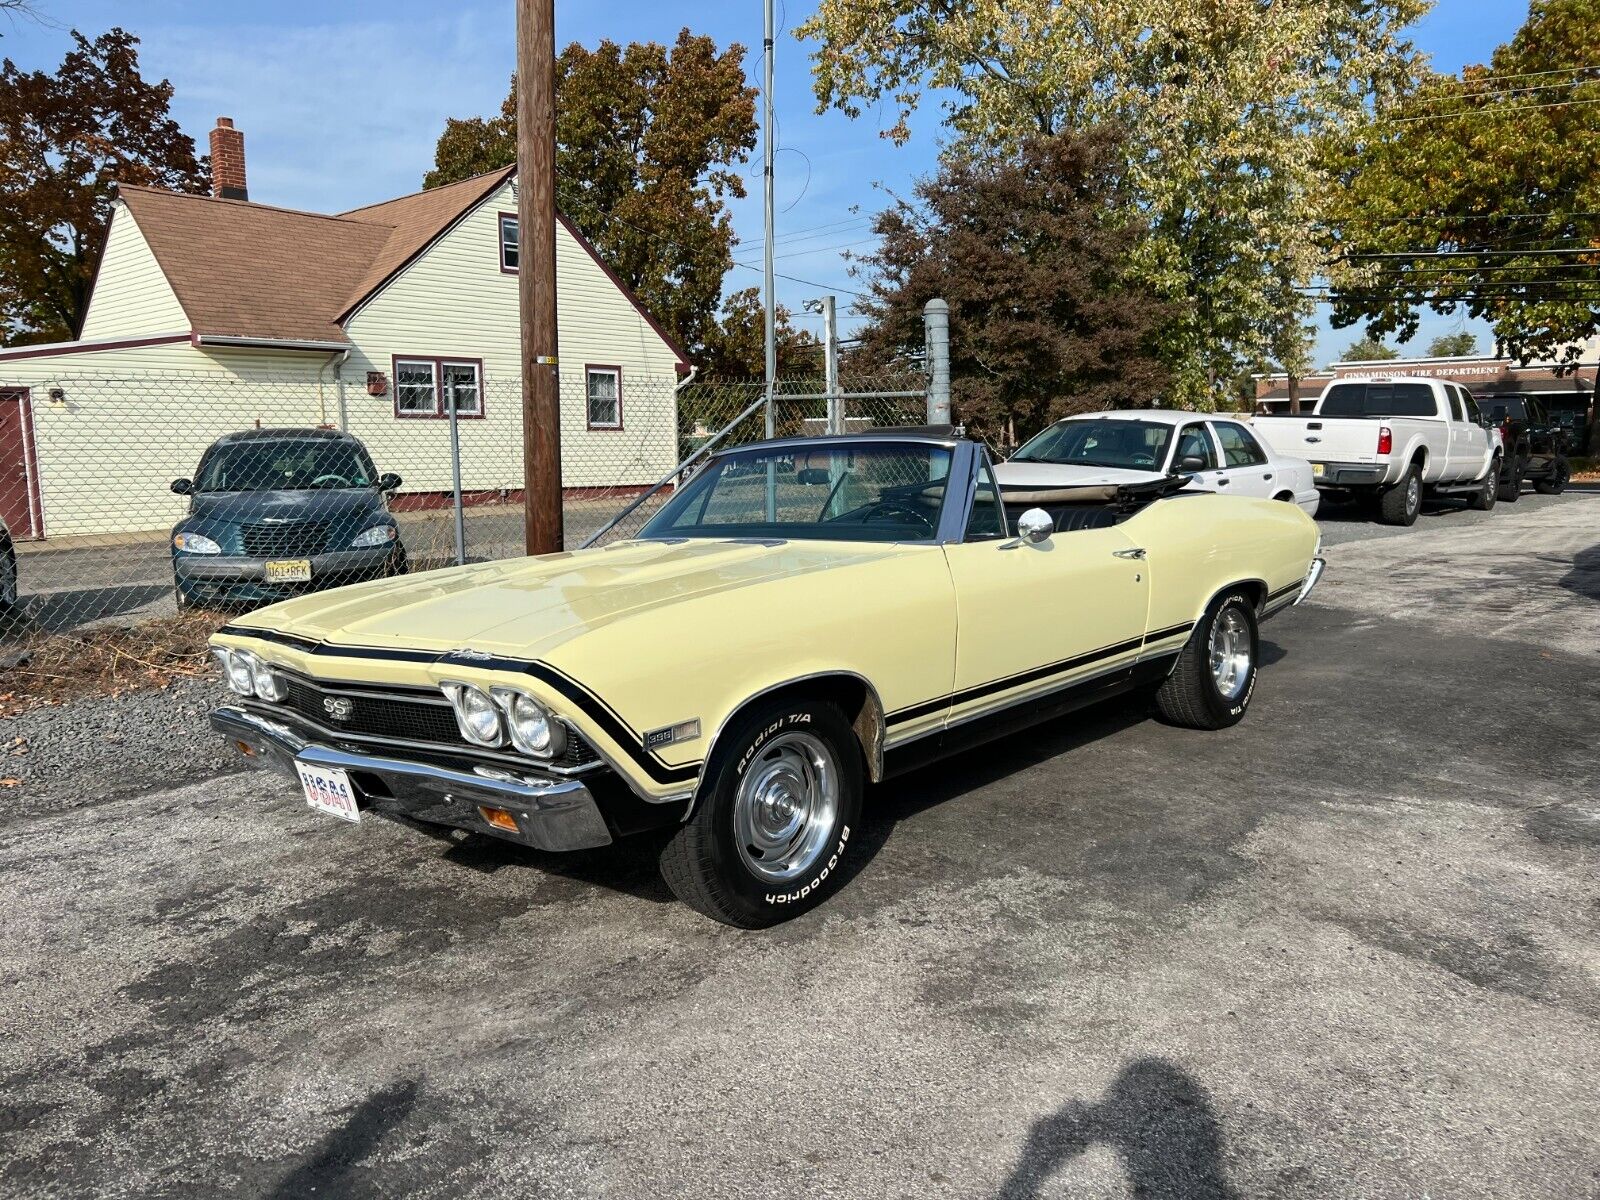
<point>1392,439</point>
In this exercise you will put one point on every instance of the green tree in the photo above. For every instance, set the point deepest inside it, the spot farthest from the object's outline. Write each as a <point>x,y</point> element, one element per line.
<point>1369,349</point>
<point>1226,106</point>
<point>1453,345</point>
<point>736,347</point>
<point>1031,249</point>
<point>66,137</point>
<point>1479,192</point>
<point>648,141</point>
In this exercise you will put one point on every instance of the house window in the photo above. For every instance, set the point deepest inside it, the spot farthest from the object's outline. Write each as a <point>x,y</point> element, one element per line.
<point>416,392</point>
<point>425,387</point>
<point>508,242</point>
<point>605,397</point>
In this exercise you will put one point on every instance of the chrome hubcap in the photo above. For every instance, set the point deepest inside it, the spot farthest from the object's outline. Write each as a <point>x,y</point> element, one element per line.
<point>784,813</point>
<point>1413,493</point>
<point>1230,653</point>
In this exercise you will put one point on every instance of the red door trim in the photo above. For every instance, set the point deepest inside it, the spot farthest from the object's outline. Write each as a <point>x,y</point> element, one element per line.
<point>30,463</point>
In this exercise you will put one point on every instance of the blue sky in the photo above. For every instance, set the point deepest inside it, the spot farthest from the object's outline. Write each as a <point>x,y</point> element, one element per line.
<point>341,103</point>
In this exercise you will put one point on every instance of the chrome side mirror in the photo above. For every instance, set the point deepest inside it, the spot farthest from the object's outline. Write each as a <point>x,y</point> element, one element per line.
<point>1033,527</point>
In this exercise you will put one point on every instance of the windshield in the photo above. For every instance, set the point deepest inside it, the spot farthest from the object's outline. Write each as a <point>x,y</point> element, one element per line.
<point>841,491</point>
<point>1099,442</point>
<point>287,464</point>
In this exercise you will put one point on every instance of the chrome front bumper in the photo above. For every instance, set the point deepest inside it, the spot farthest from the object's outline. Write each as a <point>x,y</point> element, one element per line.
<point>551,814</point>
<point>1318,566</point>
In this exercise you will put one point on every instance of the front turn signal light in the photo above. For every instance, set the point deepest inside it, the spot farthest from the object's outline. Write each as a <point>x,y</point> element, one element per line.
<point>499,818</point>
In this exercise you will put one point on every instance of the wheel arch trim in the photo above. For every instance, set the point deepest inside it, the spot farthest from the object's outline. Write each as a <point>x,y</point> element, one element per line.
<point>868,725</point>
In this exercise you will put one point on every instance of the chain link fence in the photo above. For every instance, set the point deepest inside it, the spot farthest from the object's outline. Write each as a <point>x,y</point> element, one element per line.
<point>138,496</point>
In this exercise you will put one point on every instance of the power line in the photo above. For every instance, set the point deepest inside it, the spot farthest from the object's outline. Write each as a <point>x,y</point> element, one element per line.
<point>1498,93</point>
<point>798,234</point>
<point>1447,218</point>
<point>667,241</point>
<point>1413,255</point>
<point>1533,74</point>
<point>846,246</point>
<point>1483,112</point>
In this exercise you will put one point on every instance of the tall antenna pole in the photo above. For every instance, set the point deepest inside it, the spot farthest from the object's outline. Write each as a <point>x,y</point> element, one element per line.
<point>769,299</point>
<point>536,274</point>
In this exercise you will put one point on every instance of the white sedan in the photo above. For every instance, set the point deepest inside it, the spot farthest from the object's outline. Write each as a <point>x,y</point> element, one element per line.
<point>1139,445</point>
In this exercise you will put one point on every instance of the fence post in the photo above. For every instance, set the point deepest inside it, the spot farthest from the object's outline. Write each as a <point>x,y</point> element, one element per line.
<point>455,474</point>
<point>830,364</point>
<point>936,333</point>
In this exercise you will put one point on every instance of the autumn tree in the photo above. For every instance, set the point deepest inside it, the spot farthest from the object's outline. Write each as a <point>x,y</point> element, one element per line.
<point>648,144</point>
<point>1479,192</point>
<point>65,138</point>
<point>1369,349</point>
<point>736,347</point>
<point>1453,345</point>
<point>1225,103</point>
<point>1031,247</point>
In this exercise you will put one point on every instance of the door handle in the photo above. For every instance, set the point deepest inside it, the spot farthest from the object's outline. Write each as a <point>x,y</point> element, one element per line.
<point>1268,475</point>
<point>1222,481</point>
<point>1136,552</point>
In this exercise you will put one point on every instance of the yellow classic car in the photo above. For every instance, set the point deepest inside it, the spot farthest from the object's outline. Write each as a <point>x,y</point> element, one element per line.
<point>801,617</point>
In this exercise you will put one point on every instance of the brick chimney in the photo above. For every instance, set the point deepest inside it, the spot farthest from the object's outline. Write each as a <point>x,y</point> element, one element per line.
<point>227,161</point>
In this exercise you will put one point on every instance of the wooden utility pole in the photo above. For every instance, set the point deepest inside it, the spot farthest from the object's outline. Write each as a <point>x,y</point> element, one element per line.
<point>536,274</point>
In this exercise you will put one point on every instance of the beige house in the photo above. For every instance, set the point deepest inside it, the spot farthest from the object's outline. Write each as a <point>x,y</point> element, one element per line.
<point>211,314</point>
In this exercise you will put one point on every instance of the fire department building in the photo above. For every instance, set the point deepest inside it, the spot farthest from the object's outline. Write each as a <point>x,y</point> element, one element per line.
<point>1568,398</point>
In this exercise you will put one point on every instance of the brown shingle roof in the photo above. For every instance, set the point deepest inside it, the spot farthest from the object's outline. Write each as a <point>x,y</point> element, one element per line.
<point>250,270</point>
<point>416,220</point>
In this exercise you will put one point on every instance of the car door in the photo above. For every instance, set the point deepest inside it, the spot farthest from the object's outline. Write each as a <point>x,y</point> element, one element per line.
<point>1244,462</point>
<point>1033,620</point>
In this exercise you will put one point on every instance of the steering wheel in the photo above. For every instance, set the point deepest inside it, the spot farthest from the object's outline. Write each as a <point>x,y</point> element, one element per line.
<point>338,481</point>
<point>879,509</point>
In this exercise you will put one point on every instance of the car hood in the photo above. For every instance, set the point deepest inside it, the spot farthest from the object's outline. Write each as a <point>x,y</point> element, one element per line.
<point>321,504</point>
<point>520,607</point>
<point>1057,475</point>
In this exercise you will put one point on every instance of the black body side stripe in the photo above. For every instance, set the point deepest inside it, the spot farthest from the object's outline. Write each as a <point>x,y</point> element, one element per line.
<point>1283,591</point>
<point>1161,635</point>
<point>981,690</point>
<point>581,698</point>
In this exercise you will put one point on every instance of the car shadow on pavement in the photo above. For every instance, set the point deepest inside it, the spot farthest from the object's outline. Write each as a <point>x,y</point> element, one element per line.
<point>329,1163</point>
<point>1584,578</point>
<point>53,612</point>
<point>627,866</point>
<point>1155,1116</point>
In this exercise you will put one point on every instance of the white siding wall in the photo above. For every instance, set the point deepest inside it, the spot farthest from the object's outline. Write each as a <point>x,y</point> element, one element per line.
<point>131,421</point>
<point>456,302</point>
<point>131,294</point>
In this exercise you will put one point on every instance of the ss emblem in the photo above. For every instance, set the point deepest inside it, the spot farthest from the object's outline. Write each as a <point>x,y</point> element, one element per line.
<point>338,708</point>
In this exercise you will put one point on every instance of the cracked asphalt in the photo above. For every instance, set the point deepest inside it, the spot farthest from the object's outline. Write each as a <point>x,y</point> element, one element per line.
<point>1347,949</point>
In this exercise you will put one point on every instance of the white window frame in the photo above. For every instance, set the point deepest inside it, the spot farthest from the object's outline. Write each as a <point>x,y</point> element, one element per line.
<point>590,372</point>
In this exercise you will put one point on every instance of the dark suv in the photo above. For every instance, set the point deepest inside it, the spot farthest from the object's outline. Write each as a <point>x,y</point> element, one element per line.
<point>1536,447</point>
<point>277,512</point>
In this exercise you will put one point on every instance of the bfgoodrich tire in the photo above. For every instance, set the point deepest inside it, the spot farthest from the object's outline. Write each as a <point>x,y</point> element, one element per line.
<point>775,818</point>
<point>1401,503</point>
<point>1211,686</point>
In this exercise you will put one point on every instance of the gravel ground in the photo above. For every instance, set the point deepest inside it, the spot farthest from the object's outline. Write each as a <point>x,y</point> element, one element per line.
<point>1345,949</point>
<point>95,750</point>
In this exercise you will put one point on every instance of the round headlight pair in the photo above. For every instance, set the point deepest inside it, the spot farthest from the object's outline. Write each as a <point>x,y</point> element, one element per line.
<point>247,675</point>
<point>490,718</point>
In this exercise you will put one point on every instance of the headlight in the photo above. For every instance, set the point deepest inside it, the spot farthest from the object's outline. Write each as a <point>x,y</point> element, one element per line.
<point>268,684</point>
<point>378,535</point>
<point>533,730</point>
<point>240,668</point>
<point>195,543</point>
<point>477,715</point>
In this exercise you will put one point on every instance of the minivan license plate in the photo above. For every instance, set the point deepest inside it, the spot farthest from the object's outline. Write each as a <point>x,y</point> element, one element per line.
<point>289,570</point>
<point>328,790</point>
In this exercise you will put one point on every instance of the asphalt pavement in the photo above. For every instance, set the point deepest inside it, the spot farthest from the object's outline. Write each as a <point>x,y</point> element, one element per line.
<point>1346,949</point>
